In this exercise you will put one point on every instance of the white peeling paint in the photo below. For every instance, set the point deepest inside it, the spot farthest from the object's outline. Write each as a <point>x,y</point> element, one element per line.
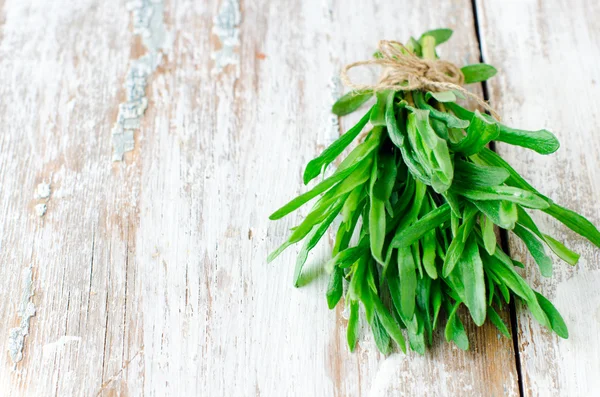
<point>16,337</point>
<point>225,26</point>
<point>43,191</point>
<point>335,92</point>
<point>148,23</point>
<point>50,348</point>
<point>122,140</point>
<point>40,209</point>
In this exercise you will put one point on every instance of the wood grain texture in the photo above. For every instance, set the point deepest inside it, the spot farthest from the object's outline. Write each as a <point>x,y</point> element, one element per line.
<point>547,55</point>
<point>150,275</point>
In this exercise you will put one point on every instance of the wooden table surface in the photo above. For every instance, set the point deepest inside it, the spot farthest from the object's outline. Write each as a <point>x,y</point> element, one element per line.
<point>149,275</point>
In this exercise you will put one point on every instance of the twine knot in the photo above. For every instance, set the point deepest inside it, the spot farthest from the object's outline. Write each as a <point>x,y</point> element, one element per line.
<point>405,71</point>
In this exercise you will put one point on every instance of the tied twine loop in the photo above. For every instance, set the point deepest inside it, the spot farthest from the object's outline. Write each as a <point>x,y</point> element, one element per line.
<point>404,71</point>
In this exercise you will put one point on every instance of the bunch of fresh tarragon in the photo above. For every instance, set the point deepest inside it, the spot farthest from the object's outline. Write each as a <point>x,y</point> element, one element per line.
<point>419,201</point>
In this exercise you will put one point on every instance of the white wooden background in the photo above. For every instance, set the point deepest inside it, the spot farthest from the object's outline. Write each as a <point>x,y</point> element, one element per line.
<point>150,274</point>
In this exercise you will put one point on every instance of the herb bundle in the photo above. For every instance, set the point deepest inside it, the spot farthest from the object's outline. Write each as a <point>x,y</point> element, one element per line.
<point>419,200</point>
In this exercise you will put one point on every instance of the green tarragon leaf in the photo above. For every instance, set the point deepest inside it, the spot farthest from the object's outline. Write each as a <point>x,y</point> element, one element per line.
<point>389,324</point>
<point>408,281</point>
<point>431,150</point>
<point>541,141</point>
<point>444,96</point>
<point>556,321</point>
<point>455,331</point>
<point>509,193</point>
<point>440,35</point>
<point>315,166</point>
<point>312,241</point>
<point>350,102</point>
<point>394,132</point>
<point>455,250</point>
<point>378,111</point>
<point>405,237</point>
<point>471,175</point>
<point>469,282</point>
<point>480,132</point>
<point>478,72</point>
<point>352,331</point>
<point>449,119</point>
<point>487,233</point>
<point>497,321</point>
<point>335,288</point>
<point>557,247</point>
<point>536,249</point>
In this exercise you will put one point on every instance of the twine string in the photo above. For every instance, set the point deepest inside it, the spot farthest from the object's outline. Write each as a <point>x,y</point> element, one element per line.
<point>404,71</point>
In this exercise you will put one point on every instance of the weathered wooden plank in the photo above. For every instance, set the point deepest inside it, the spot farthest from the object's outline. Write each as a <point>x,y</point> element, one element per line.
<point>547,55</point>
<point>62,66</point>
<point>150,274</point>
